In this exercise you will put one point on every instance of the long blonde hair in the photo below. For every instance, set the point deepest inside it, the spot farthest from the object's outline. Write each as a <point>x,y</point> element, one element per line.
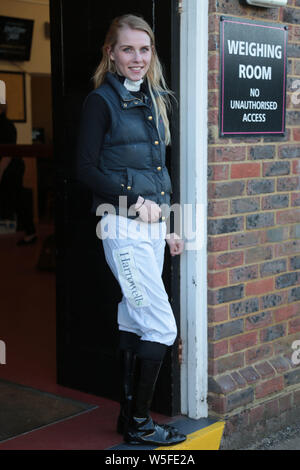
<point>160,94</point>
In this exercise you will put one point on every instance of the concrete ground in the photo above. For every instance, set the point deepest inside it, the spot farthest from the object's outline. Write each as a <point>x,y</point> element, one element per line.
<point>285,439</point>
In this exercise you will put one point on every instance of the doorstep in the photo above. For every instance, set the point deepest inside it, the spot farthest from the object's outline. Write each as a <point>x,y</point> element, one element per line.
<point>202,434</point>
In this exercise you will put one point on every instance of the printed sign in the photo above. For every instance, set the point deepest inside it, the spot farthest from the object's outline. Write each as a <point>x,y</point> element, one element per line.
<point>253,62</point>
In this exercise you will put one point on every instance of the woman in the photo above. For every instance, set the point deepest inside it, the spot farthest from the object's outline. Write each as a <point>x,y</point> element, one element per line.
<point>121,152</point>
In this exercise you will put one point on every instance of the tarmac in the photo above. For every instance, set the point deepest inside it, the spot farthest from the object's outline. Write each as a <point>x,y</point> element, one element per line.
<point>286,439</point>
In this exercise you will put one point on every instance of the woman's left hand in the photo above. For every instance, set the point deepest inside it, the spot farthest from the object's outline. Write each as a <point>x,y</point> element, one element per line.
<point>176,244</point>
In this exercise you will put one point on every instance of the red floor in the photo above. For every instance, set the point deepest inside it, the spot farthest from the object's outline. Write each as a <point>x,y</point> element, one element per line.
<point>27,326</point>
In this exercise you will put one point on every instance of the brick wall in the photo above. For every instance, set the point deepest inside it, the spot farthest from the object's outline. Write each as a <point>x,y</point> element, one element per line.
<point>253,251</point>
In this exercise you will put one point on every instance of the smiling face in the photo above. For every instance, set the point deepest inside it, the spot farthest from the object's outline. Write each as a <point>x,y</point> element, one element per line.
<point>132,53</point>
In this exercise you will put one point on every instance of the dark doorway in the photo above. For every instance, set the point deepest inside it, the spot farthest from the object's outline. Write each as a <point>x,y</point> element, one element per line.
<point>87,293</point>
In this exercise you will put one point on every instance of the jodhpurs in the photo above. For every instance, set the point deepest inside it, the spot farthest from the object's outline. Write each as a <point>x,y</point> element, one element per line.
<point>134,251</point>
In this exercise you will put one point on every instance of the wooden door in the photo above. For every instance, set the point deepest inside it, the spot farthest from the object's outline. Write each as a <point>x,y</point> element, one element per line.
<point>87,293</point>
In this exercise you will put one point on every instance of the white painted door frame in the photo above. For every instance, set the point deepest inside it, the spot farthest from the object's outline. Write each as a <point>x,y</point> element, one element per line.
<point>193,187</point>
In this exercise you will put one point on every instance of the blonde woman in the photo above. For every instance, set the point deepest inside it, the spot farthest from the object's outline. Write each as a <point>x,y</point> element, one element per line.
<point>121,152</point>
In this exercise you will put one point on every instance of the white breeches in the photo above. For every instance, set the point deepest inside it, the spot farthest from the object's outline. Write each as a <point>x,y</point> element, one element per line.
<point>134,251</point>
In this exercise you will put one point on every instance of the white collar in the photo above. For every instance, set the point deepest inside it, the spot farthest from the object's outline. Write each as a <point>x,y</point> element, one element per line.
<point>132,85</point>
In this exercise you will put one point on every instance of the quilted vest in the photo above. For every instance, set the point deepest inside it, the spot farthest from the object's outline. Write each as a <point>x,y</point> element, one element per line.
<point>133,153</point>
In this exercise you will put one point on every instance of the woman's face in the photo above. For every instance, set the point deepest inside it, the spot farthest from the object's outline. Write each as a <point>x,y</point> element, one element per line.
<point>132,53</point>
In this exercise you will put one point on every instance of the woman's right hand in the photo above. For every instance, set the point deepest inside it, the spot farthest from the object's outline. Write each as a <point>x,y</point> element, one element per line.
<point>148,210</point>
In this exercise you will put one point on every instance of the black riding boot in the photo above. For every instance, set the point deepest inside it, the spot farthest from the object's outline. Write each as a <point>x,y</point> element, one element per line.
<point>128,361</point>
<point>142,429</point>
<point>128,347</point>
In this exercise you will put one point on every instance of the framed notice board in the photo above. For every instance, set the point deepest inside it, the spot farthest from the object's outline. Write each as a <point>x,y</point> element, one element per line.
<point>253,64</point>
<point>15,95</point>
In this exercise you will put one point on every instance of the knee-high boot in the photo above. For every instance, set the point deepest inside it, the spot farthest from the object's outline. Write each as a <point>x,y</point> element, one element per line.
<point>128,365</point>
<point>142,429</point>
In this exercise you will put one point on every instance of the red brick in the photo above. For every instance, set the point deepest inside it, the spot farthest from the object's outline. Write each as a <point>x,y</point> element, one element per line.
<point>218,314</point>
<point>249,374</point>
<point>294,31</point>
<point>265,370</point>
<point>217,279</point>
<point>234,361</point>
<point>216,403</point>
<point>288,183</point>
<point>225,384</point>
<point>296,134</point>
<point>273,332</point>
<point>260,287</point>
<point>258,320</point>
<point>295,199</point>
<point>213,24</point>
<point>275,235</point>
<point>213,78</point>
<point>212,367</point>
<point>276,168</point>
<point>263,351</point>
<point>283,313</point>
<point>213,99</point>
<point>269,386</point>
<point>226,154</point>
<point>285,403</point>
<point>218,208</point>
<point>213,116</point>
<point>225,189</point>
<point>218,244</point>
<point>287,248</point>
<point>294,326</point>
<point>245,204</point>
<point>280,364</point>
<point>225,260</point>
<point>289,151</point>
<point>242,342</point>
<point>226,294</point>
<point>245,239</point>
<point>288,216</point>
<point>218,172</point>
<point>241,382</point>
<point>296,167</point>
<point>245,170</point>
<point>213,62</point>
<point>275,201</point>
<point>217,349</point>
<point>256,414</point>
<point>213,131</point>
<point>212,46</point>
<point>244,273</point>
<point>258,253</point>
<point>239,398</point>
<point>261,152</point>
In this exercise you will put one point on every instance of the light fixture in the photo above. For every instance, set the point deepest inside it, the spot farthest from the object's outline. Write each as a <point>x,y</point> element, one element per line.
<point>267,3</point>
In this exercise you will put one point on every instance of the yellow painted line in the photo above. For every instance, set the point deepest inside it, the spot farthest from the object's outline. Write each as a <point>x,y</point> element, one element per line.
<point>208,438</point>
